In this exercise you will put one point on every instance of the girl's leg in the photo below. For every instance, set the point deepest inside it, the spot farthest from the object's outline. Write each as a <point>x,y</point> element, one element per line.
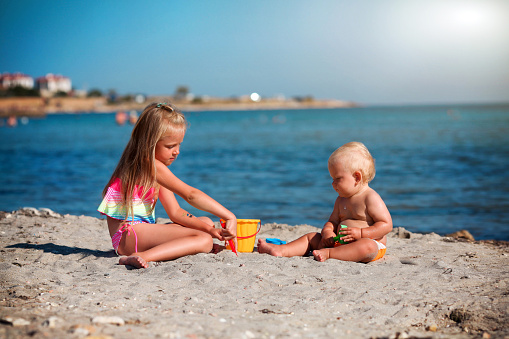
<point>216,248</point>
<point>163,242</point>
<point>362,250</point>
<point>297,247</point>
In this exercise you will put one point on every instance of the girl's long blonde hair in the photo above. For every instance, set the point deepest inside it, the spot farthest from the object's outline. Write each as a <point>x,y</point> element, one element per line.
<point>136,166</point>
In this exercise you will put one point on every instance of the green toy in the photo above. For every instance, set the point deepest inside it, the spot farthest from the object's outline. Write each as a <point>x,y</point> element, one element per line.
<point>337,238</point>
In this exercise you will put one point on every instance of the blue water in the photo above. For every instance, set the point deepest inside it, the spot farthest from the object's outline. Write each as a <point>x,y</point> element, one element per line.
<point>439,169</point>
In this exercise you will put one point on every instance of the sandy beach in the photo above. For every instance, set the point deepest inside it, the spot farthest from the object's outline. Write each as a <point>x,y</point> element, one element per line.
<point>60,279</point>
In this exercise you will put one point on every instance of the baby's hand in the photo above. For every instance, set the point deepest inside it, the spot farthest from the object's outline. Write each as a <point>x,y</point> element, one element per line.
<point>327,237</point>
<point>350,234</point>
<point>327,242</point>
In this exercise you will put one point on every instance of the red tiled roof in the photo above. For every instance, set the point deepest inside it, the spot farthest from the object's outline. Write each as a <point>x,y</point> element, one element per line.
<point>51,77</point>
<point>14,76</point>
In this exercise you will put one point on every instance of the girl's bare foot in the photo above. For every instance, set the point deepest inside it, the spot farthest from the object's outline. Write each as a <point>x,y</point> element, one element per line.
<point>321,255</point>
<point>272,249</point>
<point>216,248</point>
<point>133,260</point>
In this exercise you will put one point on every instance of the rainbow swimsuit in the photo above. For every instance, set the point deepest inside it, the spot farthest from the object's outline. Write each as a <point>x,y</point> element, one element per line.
<point>113,208</point>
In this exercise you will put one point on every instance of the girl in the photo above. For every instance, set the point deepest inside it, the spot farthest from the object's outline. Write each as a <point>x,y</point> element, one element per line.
<point>140,179</point>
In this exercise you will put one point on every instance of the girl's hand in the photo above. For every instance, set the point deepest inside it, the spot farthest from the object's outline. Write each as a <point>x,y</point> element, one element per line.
<point>216,233</point>
<point>230,230</point>
<point>351,234</point>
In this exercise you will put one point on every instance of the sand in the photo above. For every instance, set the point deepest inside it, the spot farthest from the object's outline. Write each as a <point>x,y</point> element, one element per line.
<point>60,279</point>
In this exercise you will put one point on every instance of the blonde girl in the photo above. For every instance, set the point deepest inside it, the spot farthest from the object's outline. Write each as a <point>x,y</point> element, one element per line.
<point>140,179</point>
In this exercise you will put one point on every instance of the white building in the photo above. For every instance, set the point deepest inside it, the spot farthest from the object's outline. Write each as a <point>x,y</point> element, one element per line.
<point>8,80</point>
<point>51,84</point>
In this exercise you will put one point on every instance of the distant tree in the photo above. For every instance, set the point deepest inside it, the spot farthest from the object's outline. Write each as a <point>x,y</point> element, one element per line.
<point>307,98</point>
<point>181,92</point>
<point>94,93</point>
<point>197,100</point>
<point>20,91</point>
<point>61,94</point>
<point>127,98</point>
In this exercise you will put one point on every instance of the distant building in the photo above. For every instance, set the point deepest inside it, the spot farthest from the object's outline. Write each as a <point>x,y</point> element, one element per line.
<point>51,84</point>
<point>8,80</point>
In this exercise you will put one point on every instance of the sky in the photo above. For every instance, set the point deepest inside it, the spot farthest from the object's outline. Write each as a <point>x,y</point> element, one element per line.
<point>389,52</point>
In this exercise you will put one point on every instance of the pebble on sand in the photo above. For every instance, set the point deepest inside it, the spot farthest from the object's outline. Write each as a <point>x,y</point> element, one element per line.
<point>109,320</point>
<point>15,321</point>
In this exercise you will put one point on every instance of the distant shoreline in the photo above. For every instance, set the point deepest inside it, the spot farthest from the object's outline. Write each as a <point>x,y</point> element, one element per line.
<point>32,107</point>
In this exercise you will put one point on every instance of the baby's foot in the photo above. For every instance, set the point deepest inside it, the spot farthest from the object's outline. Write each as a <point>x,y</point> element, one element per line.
<point>321,255</point>
<point>272,249</point>
<point>133,260</point>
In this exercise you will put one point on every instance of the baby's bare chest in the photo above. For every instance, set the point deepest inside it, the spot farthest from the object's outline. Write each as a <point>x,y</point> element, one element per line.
<point>356,216</point>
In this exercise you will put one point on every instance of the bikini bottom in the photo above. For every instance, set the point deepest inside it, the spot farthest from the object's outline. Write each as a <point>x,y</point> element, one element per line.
<point>115,239</point>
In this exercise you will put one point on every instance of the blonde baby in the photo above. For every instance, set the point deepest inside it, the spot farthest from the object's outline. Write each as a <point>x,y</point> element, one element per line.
<point>359,216</point>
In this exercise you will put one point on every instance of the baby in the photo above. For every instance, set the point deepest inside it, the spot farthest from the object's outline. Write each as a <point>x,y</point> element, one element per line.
<point>359,216</point>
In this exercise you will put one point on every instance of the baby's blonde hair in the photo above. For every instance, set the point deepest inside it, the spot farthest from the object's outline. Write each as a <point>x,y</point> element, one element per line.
<point>355,157</point>
<point>137,164</point>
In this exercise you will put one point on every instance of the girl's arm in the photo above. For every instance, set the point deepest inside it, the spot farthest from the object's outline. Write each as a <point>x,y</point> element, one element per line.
<point>180,216</point>
<point>195,198</point>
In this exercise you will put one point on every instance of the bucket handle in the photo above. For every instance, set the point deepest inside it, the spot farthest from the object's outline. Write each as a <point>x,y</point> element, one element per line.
<point>250,236</point>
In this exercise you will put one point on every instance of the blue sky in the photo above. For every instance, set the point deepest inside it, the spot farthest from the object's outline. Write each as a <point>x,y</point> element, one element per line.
<point>371,52</point>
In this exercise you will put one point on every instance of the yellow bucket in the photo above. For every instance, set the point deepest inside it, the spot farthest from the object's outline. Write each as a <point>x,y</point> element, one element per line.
<point>247,229</point>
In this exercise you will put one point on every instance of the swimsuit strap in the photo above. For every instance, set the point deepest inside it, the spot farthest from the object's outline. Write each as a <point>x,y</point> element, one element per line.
<point>118,235</point>
<point>129,228</point>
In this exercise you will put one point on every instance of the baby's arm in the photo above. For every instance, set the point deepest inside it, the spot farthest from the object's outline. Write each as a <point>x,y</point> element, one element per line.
<point>382,221</point>
<point>380,224</point>
<point>328,228</point>
<point>327,235</point>
<point>196,198</point>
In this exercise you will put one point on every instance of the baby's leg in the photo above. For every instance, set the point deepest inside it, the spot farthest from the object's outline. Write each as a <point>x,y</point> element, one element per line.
<point>362,250</point>
<point>166,242</point>
<point>297,247</point>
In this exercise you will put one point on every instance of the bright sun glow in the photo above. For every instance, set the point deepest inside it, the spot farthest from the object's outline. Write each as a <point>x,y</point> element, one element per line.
<point>470,20</point>
<point>255,97</point>
<point>470,16</point>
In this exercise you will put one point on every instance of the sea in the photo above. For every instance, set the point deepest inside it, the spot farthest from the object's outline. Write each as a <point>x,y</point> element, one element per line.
<point>438,168</point>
